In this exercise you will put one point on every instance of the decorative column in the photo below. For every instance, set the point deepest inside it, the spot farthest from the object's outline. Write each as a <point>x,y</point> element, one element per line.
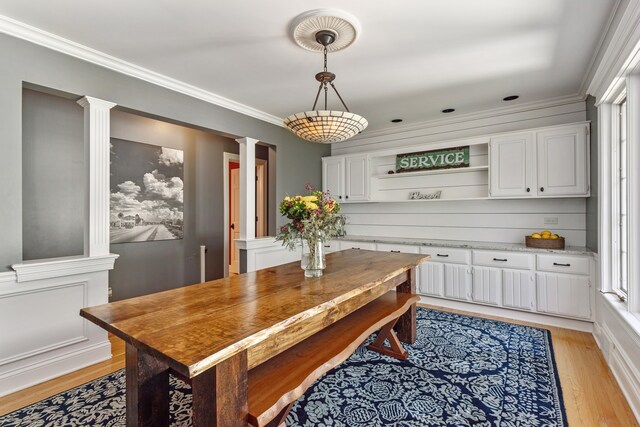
<point>247,188</point>
<point>97,132</point>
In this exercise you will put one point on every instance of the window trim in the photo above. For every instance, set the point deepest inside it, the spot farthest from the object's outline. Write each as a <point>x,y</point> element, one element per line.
<point>615,284</point>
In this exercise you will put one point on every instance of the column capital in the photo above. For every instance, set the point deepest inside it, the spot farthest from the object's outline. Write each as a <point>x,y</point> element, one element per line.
<point>247,140</point>
<point>89,101</point>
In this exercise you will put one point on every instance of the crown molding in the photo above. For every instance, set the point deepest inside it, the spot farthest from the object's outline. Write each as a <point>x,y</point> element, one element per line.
<point>591,68</point>
<point>620,54</point>
<point>469,117</point>
<point>51,41</point>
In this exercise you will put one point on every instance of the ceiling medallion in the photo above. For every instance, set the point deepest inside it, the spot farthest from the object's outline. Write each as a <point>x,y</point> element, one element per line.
<point>325,126</point>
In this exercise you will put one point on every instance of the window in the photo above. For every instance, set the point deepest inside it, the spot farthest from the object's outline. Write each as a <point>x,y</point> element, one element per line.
<point>620,196</point>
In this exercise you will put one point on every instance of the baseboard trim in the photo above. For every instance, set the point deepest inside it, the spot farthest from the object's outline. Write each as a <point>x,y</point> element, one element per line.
<point>27,376</point>
<point>507,314</point>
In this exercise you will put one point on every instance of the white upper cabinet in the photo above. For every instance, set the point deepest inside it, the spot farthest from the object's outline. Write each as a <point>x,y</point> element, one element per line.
<point>333,177</point>
<point>346,178</point>
<point>563,161</point>
<point>550,162</point>
<point>357,178</point>
<point>512,170</point>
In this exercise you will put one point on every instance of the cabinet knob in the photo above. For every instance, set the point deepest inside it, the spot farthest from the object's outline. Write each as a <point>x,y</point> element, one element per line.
<point>339,197</point>
<point>528,189</point>
<point>346,197</point>
<point>542,189</point>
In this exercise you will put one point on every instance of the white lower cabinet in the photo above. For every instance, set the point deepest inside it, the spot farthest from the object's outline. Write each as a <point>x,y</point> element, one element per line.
<point>444,280</point>
<point>347,244</point>
<point>486,285</point>
<point>431,279</point>
<point>456,281</point>
<point>564,294</point>
<point>518,289</point>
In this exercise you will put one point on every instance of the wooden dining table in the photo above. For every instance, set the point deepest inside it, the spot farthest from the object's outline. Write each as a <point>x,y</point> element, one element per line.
<point>214,333</point>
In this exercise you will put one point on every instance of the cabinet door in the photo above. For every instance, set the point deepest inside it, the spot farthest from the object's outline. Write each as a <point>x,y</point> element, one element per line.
<point>431,278</point>
<point>333,177</point>
<point>512,171</point>
<point>456,281</point>
<point>356,178</point>
<point>486,285</point>
<point>564,294</point>
<point>518,289</point>
<point>562,161</point>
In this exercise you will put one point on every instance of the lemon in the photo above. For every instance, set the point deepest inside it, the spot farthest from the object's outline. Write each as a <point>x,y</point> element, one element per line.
<point>554,236</point>
<point>535,236</point>
<point>545,232</point>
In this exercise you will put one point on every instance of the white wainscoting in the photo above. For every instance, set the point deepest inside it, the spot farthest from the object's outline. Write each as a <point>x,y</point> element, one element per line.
<point>42,335</point>
<point>504,221</point>
<point>620,344</point>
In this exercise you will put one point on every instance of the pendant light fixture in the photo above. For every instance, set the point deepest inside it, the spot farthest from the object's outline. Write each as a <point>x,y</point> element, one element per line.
<point>325,126</point>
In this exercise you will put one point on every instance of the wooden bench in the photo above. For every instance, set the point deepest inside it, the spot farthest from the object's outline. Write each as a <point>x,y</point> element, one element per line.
<point>276,384</point>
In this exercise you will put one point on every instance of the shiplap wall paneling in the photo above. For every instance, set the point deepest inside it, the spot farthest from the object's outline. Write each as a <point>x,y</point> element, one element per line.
<point>381,165</point>
<point>505,221</point>
<point>460,183</point>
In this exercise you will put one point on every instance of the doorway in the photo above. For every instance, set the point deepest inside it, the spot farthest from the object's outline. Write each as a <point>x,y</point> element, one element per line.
<point>232,207</point>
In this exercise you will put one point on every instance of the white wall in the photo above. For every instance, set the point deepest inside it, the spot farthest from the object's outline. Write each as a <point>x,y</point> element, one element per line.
<point>505,221</point>
<point>474,220</point>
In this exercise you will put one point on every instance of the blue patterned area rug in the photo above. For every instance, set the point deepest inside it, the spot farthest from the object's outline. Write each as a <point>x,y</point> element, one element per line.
<point>461,371</point>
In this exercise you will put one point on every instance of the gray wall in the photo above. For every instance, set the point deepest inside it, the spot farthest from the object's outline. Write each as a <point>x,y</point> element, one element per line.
<point>592,202</point>
<point>148,267</point>
<point>52,176</point>
<point>31,64</point>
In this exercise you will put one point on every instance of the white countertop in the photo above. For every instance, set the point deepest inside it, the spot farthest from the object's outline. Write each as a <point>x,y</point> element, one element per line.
<point>520,247</point>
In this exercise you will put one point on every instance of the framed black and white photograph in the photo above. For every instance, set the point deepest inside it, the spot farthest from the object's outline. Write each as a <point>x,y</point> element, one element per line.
<point>146,192</point>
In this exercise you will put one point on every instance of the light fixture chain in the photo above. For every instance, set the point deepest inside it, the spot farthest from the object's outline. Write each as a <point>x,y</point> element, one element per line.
<point>325,58</point>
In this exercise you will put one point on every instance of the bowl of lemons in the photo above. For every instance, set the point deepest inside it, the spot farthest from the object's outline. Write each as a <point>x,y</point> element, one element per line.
<point>545,239</point>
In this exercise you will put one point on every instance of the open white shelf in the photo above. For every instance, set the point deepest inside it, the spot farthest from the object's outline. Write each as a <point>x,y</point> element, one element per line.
<point>431,172</point>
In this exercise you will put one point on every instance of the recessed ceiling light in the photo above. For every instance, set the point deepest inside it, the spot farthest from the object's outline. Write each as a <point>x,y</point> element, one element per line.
<point>448,110</point>
<point>510,98</point>
<point>396,121</point>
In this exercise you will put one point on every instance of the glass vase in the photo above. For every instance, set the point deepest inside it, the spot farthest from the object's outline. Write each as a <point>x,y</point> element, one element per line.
<point>312,261</point>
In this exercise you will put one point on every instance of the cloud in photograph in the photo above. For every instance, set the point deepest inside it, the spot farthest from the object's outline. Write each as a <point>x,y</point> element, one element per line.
<point>129,187</point>
<point>156,185</point>
<point>170,157</point>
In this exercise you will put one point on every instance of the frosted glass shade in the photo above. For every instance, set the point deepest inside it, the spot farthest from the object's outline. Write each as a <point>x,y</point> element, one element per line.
<point>326,126</point>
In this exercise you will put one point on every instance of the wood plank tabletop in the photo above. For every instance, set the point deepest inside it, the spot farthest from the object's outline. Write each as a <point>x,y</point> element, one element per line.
<point>195,327</point>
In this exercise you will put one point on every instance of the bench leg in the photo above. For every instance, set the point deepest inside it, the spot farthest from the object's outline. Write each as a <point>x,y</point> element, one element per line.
<point>278,421</point>
<point>406,326</point>
<point>395,348</point>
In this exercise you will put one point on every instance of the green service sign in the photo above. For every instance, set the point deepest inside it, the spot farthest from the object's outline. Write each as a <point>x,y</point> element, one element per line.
<point>457,157</point>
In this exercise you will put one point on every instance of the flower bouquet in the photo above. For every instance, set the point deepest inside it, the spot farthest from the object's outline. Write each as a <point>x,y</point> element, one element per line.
<point>315,220</point>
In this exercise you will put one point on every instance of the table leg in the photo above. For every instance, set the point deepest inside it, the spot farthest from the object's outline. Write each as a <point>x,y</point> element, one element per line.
<point>220,394</point>
<point>147,394</point>
<point>406,326</point>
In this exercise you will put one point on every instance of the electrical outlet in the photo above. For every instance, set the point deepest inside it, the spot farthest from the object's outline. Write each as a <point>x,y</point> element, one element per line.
<point>110,292</point>
<point>551,220</point>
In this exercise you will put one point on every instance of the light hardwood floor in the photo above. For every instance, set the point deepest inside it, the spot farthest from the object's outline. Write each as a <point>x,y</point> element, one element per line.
<point>591,395</point>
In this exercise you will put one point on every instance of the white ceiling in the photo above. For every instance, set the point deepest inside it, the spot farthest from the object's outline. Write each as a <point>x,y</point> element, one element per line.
<point>412,59</point>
